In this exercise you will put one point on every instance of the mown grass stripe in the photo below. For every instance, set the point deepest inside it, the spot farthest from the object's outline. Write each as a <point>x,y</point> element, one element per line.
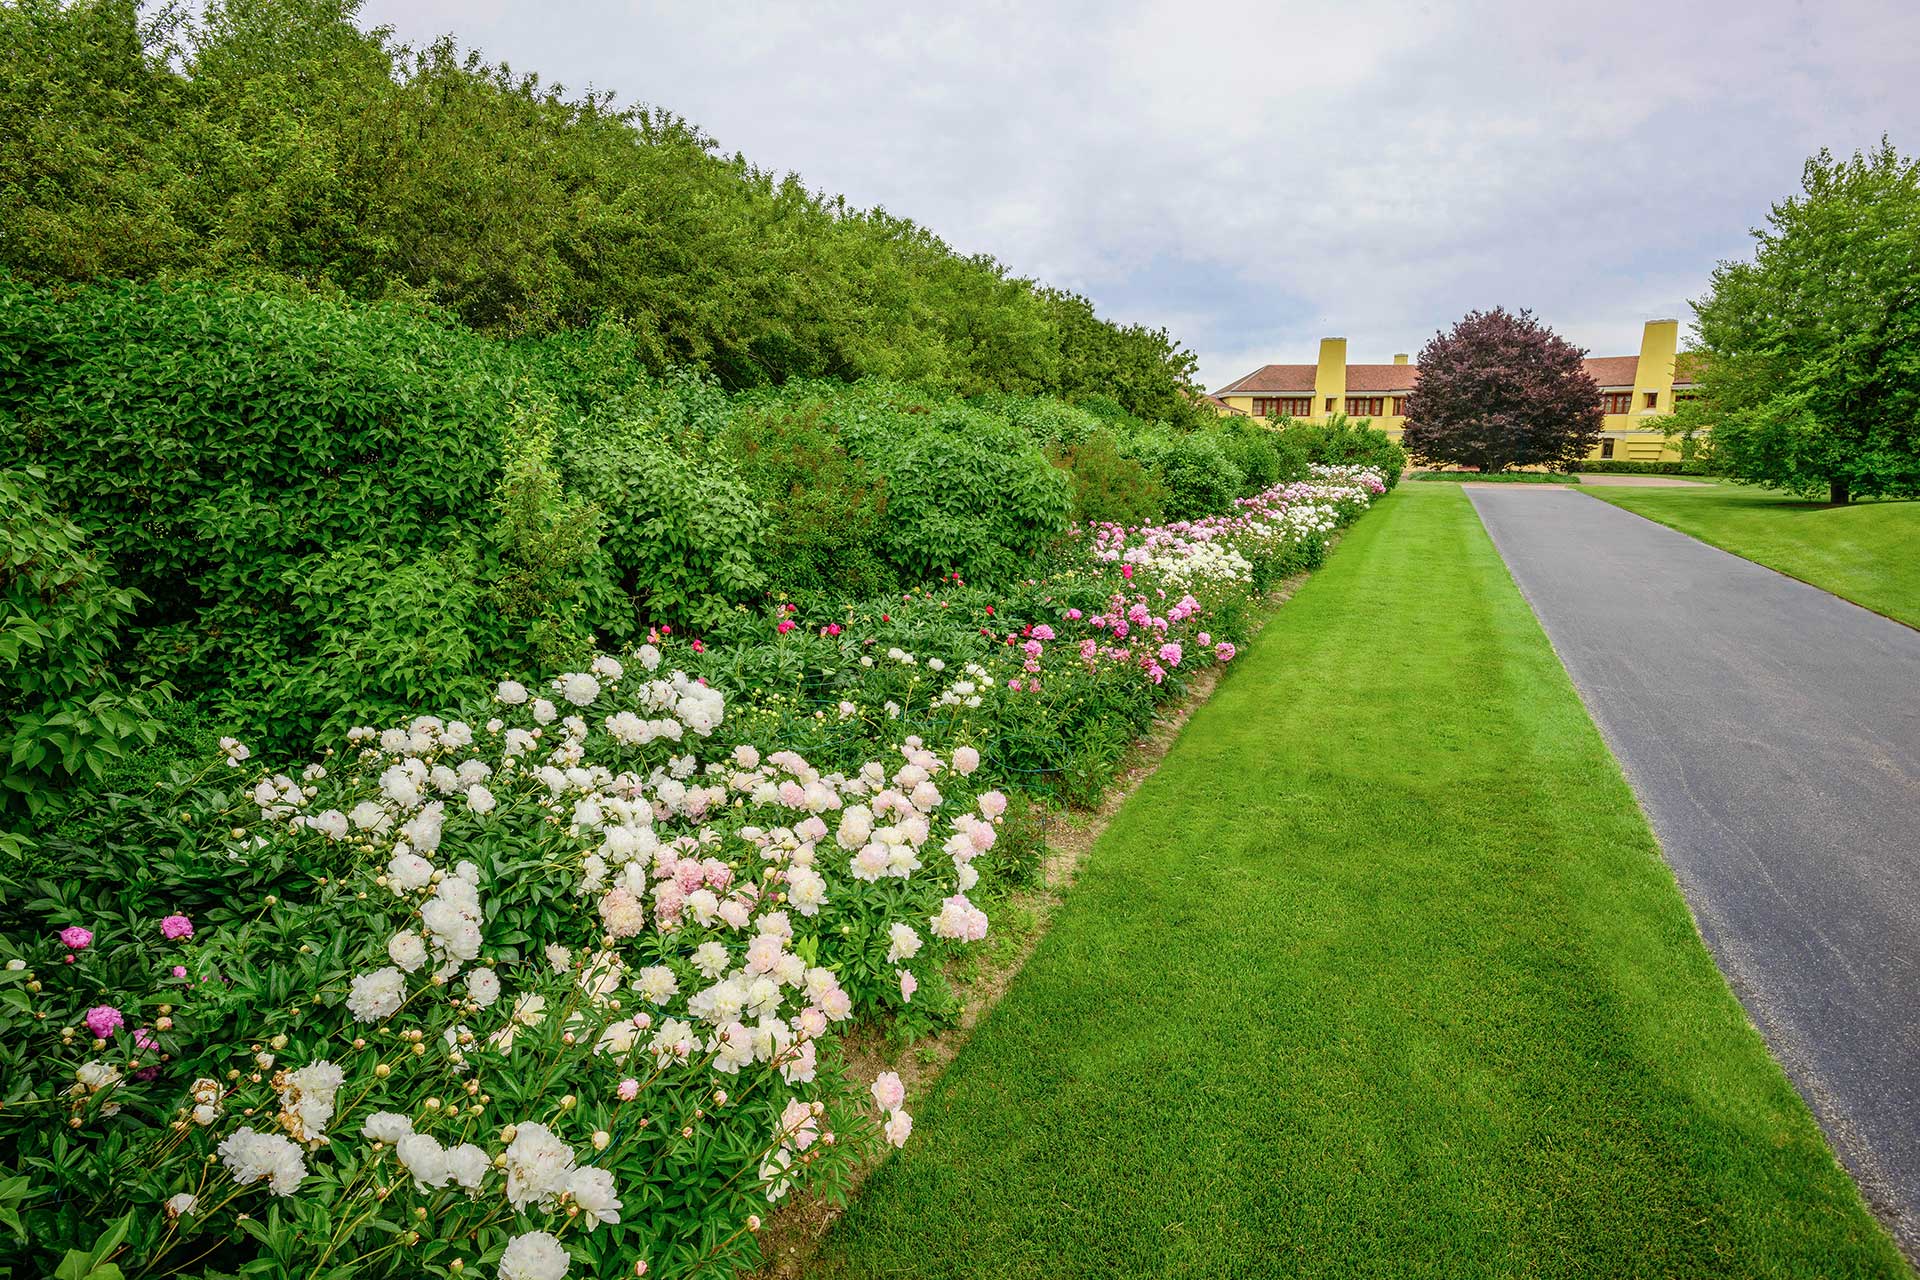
<point>1381,974</point>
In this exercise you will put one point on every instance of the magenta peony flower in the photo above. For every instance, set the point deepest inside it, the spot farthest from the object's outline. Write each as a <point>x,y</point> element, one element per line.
<point>103,1020</point>
<point>76,937</point>
<point>179,971</point>
<point>175,927</point>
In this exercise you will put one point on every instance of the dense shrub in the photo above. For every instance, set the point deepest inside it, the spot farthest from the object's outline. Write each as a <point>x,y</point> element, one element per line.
<point>1107,485</point>
<point>1250,447</point>
<point>277,139</point>
<point>216,444</point>
<point>1200,477</point>
<point>966,492</point>
<point>1665,467</point>
<point>684,534</point>
<point>824,507</point>
<point>64,716</point>
<point>1343,442</point>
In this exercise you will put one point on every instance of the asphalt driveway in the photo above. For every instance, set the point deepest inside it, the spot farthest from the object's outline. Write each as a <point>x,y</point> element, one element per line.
<point>1772,734</point>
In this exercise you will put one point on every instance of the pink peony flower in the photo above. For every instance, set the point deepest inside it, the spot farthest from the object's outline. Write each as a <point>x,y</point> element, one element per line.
<point>908,984</point>
<point>76,937</point>
<point>629,1089</point>
<point>1073,615</point>
<point>103,1020</point>
<point>1170,654</point>
<point>786,625</point>
<point>179,971</point>
<point>888,1092</point>
<point>1224,651</point>
<point>143,1039</point>
<point>176,927</point>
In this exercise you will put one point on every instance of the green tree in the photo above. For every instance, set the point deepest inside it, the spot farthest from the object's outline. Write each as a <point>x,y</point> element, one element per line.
<point>1809,355</point>
<point>279,142</point>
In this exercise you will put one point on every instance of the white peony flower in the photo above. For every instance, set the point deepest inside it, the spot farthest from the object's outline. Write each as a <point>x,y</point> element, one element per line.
<point>538,1165</point>
<point>376,995</point>
<point>386,1126</point>
<point>407,950</point>
<point>483,986</point>
<point>579,688</point>
<point>536,1255</point>
<point>425,1159</point>
<point>467,1165</point>
<point>251,1156</point>
<point>593,1190</point>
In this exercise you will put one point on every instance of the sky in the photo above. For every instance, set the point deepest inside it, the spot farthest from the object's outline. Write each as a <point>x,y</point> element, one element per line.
<point>1254,177</point>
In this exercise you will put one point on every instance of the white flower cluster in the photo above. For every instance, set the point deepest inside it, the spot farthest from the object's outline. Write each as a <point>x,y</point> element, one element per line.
<point>712,871</point>
<point>251,1156</point>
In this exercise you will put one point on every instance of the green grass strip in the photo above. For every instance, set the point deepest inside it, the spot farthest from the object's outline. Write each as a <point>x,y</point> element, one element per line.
<point>1380,974</point>
<point>1499,477</point>
<point>1868,552</point>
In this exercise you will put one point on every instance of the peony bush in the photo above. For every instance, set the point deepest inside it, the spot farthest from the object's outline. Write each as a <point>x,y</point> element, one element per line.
<point>554,984</point>
<point>553,993</point>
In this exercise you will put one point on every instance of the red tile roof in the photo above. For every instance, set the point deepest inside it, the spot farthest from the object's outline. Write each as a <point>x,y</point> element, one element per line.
<point>1381,377</point>
<point>1298,379</point>
<point>1612,371</point>
<point>1275,377</point>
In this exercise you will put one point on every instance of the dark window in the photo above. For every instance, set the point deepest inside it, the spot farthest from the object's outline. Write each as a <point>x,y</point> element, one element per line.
<point>1363,406</point>
<point>1329,404</point>
<point>1653,399</point>
<point>1606,447</point>
<point>1399,406</point>
<point>1283,406</point>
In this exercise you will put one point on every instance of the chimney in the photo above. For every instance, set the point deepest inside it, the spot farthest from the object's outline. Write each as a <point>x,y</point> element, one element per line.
<point>1400,357</point>
<point>1330,378</point>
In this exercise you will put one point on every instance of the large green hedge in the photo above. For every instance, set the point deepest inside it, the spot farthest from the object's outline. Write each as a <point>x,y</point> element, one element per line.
<point>278,139</point>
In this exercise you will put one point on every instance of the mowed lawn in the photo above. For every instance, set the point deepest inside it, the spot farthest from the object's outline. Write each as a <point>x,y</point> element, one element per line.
<point>1867,552</point>
<point>1380,975</point>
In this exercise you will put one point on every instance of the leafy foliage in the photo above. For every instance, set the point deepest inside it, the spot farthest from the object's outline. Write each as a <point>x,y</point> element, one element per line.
<point>1341,442</point>
<point>275,140</point>
<point>63,716</point>
<point>1502,390</point>
<point>1809,359</point>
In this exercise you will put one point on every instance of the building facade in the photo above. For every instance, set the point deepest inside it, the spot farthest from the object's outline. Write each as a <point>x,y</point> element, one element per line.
<point>1636,392</point>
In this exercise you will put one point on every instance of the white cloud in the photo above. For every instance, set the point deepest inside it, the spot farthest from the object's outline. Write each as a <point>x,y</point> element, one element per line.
<point>1256,175</point>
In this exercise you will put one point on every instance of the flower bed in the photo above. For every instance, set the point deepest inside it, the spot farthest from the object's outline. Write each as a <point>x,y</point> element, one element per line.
<point>554,986</point>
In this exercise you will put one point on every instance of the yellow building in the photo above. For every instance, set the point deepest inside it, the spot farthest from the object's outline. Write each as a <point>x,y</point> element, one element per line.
<point>1635,392</point>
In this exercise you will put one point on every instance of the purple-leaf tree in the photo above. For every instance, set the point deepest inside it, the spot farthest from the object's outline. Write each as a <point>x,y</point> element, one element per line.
<point>1502,390</point>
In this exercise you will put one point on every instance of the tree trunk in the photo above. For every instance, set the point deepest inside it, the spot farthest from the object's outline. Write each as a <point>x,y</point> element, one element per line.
<point>1838,492</point>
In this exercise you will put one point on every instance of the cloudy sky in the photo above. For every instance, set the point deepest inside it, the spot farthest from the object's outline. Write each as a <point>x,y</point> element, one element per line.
<point>1257,176</point>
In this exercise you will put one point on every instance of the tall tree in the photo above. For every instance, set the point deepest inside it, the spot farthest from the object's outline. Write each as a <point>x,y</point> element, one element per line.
<point>1502,390</point>
<point>1809,355</point>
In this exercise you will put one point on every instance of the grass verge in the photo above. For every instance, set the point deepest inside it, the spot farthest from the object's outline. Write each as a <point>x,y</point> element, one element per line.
<point>1865,552</point>
<point>1499,477</point>
<point>1380,973</point>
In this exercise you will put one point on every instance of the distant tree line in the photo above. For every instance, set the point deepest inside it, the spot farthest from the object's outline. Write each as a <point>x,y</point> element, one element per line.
<point>275,142</point>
